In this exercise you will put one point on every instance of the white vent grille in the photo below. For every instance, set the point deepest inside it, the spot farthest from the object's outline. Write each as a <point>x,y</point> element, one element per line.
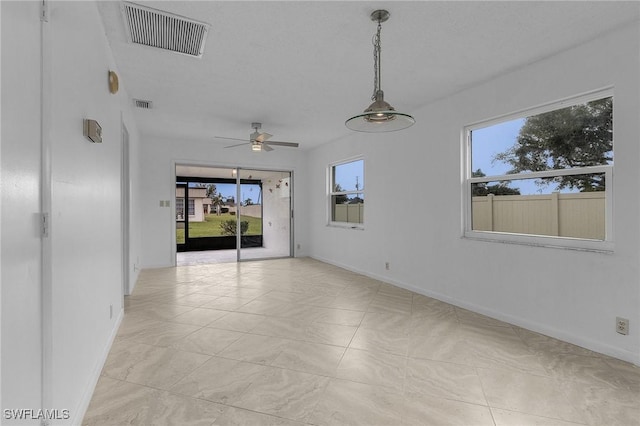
<point>139,103</point>
<point>155,28</point>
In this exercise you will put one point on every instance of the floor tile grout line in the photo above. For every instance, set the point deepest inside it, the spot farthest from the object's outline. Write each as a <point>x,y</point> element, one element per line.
<point>484,394</point>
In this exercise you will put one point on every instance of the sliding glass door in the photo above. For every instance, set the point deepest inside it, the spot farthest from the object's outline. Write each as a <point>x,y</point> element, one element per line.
<point>203,218</point>
<point>264,214</point>
<point>233,213</point>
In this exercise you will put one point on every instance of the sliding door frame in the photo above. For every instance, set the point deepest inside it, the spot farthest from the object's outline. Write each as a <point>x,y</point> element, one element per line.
<point>174,179</point>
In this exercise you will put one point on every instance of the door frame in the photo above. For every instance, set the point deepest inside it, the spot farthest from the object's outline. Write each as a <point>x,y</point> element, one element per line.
<point>125,185</point>
<point>173,179</point>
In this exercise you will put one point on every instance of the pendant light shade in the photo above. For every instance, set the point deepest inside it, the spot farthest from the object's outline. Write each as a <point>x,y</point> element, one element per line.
<point>380,116</point>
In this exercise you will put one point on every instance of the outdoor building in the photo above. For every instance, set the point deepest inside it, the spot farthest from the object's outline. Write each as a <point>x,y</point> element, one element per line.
<point>198,204</point>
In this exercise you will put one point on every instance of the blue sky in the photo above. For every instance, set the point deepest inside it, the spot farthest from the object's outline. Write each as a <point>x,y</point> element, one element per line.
<point>492,140</point>
<point>246,191</point>
<point>347,173</point>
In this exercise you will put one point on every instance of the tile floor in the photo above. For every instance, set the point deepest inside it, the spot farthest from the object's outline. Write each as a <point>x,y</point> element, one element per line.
<point>297,341</point>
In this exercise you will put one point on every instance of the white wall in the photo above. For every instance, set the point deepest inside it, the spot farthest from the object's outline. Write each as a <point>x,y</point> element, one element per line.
<point>567,294</point>
<point>86,178</point>
<point>159,156</point>
<point>21,265</point>
<point>84,259</point>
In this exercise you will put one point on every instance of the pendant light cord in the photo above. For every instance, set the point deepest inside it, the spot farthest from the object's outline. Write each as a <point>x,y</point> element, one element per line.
<point>376,62</point>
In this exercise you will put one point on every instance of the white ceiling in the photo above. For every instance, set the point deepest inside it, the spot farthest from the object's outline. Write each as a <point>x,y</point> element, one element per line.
<point>302,68</point>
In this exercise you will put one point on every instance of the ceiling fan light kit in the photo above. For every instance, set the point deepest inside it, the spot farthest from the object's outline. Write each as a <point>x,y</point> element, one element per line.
<point>380,116</point>
<point>259,141</point>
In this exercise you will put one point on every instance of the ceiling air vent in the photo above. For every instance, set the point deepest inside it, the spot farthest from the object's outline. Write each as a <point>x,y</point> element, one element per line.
<point>143,104</point>
<point>155,28</point>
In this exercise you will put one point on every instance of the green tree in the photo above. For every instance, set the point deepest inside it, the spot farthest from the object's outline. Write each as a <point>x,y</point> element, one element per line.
<point>577,136</point>
<point>212,192</point>
<point>482,189</point>
<point>340,199</point>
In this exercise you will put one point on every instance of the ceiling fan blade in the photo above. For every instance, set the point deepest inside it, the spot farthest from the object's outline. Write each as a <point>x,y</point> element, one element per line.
<point>290,144</point>
<point>262,137</point>
<point>266,147</point>
<point>240,144</point>
<point>232,139</point>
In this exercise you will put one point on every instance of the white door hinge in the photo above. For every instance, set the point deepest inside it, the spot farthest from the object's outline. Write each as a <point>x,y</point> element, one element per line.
<point>44,224</point>
<point>44,11</point>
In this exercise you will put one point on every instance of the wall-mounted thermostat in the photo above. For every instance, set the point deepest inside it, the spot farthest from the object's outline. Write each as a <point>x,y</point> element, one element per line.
<point>92,130</point>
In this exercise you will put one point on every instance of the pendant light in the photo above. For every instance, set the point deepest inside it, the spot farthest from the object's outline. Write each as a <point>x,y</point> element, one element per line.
<point>379,116</point>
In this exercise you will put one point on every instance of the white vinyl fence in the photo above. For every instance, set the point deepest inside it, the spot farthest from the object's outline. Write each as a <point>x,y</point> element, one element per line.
<point>580,215</point>
<point>352,213</point>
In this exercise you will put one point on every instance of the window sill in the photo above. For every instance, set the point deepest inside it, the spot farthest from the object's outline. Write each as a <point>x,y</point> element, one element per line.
<point>566,243</point>
<point>357,227</point>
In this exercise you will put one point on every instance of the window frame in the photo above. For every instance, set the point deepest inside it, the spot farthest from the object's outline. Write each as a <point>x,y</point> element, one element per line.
<point>331,193</point>
<point>468,180</point>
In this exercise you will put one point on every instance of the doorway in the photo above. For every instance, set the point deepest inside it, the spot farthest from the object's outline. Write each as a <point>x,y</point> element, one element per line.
<point>212,204</point>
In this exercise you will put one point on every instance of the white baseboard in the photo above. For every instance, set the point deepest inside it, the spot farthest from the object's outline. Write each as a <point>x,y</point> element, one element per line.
<point>82,407</point>
<point>581,341</point>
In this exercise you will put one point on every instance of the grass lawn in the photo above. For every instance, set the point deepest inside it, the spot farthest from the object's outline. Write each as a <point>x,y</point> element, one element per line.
<point>211,226</point>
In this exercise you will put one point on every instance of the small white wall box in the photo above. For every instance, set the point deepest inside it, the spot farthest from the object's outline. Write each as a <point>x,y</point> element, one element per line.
<point>92,130</point>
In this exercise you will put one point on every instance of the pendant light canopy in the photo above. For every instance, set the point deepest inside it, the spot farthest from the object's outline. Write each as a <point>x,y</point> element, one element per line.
<point>379,116</point>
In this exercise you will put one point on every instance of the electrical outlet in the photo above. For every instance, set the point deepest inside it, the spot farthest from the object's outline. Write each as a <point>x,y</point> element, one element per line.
<point>298,246</point>
<point>110,311</point>
<point>386,265</point>
<point>622,325</point>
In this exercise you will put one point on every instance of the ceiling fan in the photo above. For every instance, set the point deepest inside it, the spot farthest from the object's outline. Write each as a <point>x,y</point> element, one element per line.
<point>259,141</point>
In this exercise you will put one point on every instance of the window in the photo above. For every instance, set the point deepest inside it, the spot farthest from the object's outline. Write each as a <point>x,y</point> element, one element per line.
<point>180,208</point>
<point>543,177</point>
<point>346,195</point>
<point>192,207</point>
